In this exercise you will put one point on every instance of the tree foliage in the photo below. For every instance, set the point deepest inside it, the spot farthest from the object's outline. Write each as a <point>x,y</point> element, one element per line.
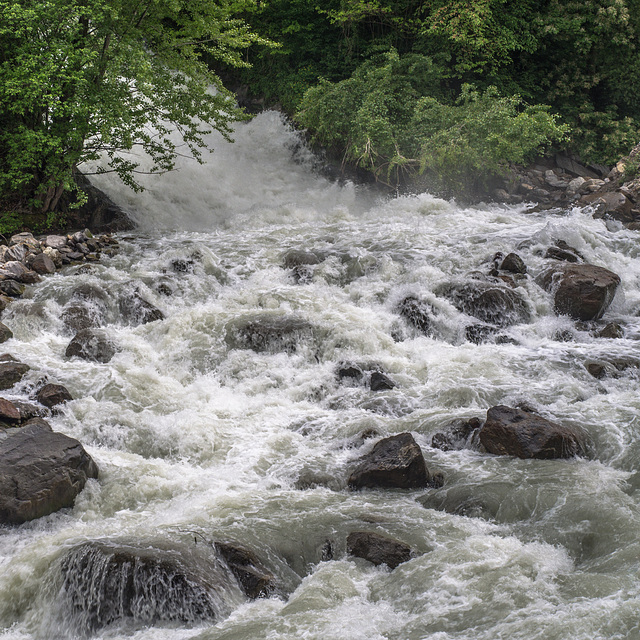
<point>81,78</point>
<point>581,58</point>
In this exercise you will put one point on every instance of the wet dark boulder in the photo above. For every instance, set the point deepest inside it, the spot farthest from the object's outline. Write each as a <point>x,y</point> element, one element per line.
<point>253,578</point>
<point>380,382</point>
<point>5,333</point>
<point>40,472</point>
<point>487,301</point>
<point>30,410</point>
<point>350,372</point>
<point>106,583</point>
<point>613,330</point>
<point>456,435</point>
<point>270,334</point>
<point>396,461</point>
<point>301,264</point>
<point>580,291</point>
<point>11,372</point>
<point>378,549</point>
<point>135,310</point>
<point>417,313</point>
<point>513,263</point>
<point>91,344</point>
<point>52,395</point>
<point>515,432</point>
<point>80,316</point>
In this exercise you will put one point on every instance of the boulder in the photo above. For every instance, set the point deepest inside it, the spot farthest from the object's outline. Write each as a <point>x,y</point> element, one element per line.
<point>27,239</point>
<point>107,582</point>
<point>135,310</point>
<point>513,263</point>
<point>417,313</point>
<point>515,432</point>
<point>269,334</point>
<point>55,242</point>
<point>580,291</point>
<point>52,395</point>
<point>91,344</point>
<point>298,257</point>
<point>396,461</point>
<point>40,472</point>
<point>612,330</point>
<point>11,372</point>
<point>351,371</point>
<point>28,410</point>
<point>9,413</point>
<point>5,333</point>
<point>490,302</point>
<point>253,578</point>
<point>378,549</point>
<point>42,264</point>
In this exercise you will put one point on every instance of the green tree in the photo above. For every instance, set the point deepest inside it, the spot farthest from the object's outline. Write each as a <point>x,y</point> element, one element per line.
<point>83,78</point>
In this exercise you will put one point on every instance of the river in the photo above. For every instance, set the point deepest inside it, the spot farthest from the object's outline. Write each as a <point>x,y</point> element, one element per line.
<point>197,440</point>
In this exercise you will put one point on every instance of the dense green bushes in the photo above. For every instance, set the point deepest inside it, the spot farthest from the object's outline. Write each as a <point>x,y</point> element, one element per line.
<point>392,118</point>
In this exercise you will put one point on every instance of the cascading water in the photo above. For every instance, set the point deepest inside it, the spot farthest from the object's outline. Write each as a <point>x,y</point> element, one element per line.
<point>199,438</point>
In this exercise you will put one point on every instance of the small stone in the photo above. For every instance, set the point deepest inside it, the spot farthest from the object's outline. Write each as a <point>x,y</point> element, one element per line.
<point>380,382</point>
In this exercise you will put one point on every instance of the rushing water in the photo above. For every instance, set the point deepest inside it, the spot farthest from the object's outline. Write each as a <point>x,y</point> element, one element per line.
<point>197,440</point>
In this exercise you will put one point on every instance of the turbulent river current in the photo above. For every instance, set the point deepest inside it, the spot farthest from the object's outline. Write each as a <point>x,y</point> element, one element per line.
<point>198,440</point>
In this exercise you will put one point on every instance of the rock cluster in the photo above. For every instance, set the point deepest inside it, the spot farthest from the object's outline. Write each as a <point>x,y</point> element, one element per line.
<point>614,193</point>
<point>24,259</point>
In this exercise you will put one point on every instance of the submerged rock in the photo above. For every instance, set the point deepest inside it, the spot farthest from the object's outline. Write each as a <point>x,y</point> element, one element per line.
<point>378,549</point>
<point>107,582</point>
<point>396,461</point>
<point>254,579</point>
<point>269,334</point>
<point>90,344</point>
<point>514,432</point>
<point>417,313</point>
<point>580,291</point>
<point>380,382</point>
<point>489,302</point>
<point>40,472</point>
<point>456,435</point>
<point>136,310</point>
